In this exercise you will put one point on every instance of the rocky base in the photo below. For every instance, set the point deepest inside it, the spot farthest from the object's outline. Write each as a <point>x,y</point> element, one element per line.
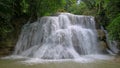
<point>102,40</point>
<point>4,51</point>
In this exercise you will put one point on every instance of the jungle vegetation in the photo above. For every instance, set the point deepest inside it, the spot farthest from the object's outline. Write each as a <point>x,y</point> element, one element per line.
<point>15,13</point>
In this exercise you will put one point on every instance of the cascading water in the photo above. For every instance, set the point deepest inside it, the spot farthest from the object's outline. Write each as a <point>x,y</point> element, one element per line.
<point>113,50</point>
<point>65,36</point>
<point>78,1</point>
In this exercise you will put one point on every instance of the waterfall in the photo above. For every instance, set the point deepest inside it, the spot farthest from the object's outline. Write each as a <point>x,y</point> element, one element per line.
<point>113,50</point>
<point>66,36</point>
<point>78,1</point>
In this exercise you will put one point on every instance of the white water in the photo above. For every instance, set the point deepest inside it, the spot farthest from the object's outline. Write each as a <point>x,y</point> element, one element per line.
<point>78,1</point>
<point>113,50</point>
<point>61,37</point>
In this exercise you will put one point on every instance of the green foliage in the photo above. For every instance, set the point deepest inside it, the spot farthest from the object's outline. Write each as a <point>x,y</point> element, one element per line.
<point>11,10</point>
<point>112,9</point>
<point>107,13</point>
<point>90,3</point>
<point>113,13</point>
<point>47,7</point>
<point>114,28</point>
<point>78,8</point>
<point>24,4</point>
<point>5,9</point>
<point>6,13</point>
<point>68,4</point>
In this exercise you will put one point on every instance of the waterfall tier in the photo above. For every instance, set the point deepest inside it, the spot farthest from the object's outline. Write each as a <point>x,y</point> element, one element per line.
<point>65,36</point>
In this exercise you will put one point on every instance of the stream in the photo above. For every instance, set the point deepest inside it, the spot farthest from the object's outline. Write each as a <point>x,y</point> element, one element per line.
<point>5,63</point>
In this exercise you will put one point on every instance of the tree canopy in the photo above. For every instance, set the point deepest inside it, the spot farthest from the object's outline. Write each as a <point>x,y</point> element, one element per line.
<point>107,12</point>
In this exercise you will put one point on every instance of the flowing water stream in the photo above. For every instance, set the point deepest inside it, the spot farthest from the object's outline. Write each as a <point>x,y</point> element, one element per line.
<point>97,64</point>
<point>68,40</point>
<point>65,36</point>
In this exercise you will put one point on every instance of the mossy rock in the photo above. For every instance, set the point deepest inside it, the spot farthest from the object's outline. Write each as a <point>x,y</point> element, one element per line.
<point>101,35</point>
